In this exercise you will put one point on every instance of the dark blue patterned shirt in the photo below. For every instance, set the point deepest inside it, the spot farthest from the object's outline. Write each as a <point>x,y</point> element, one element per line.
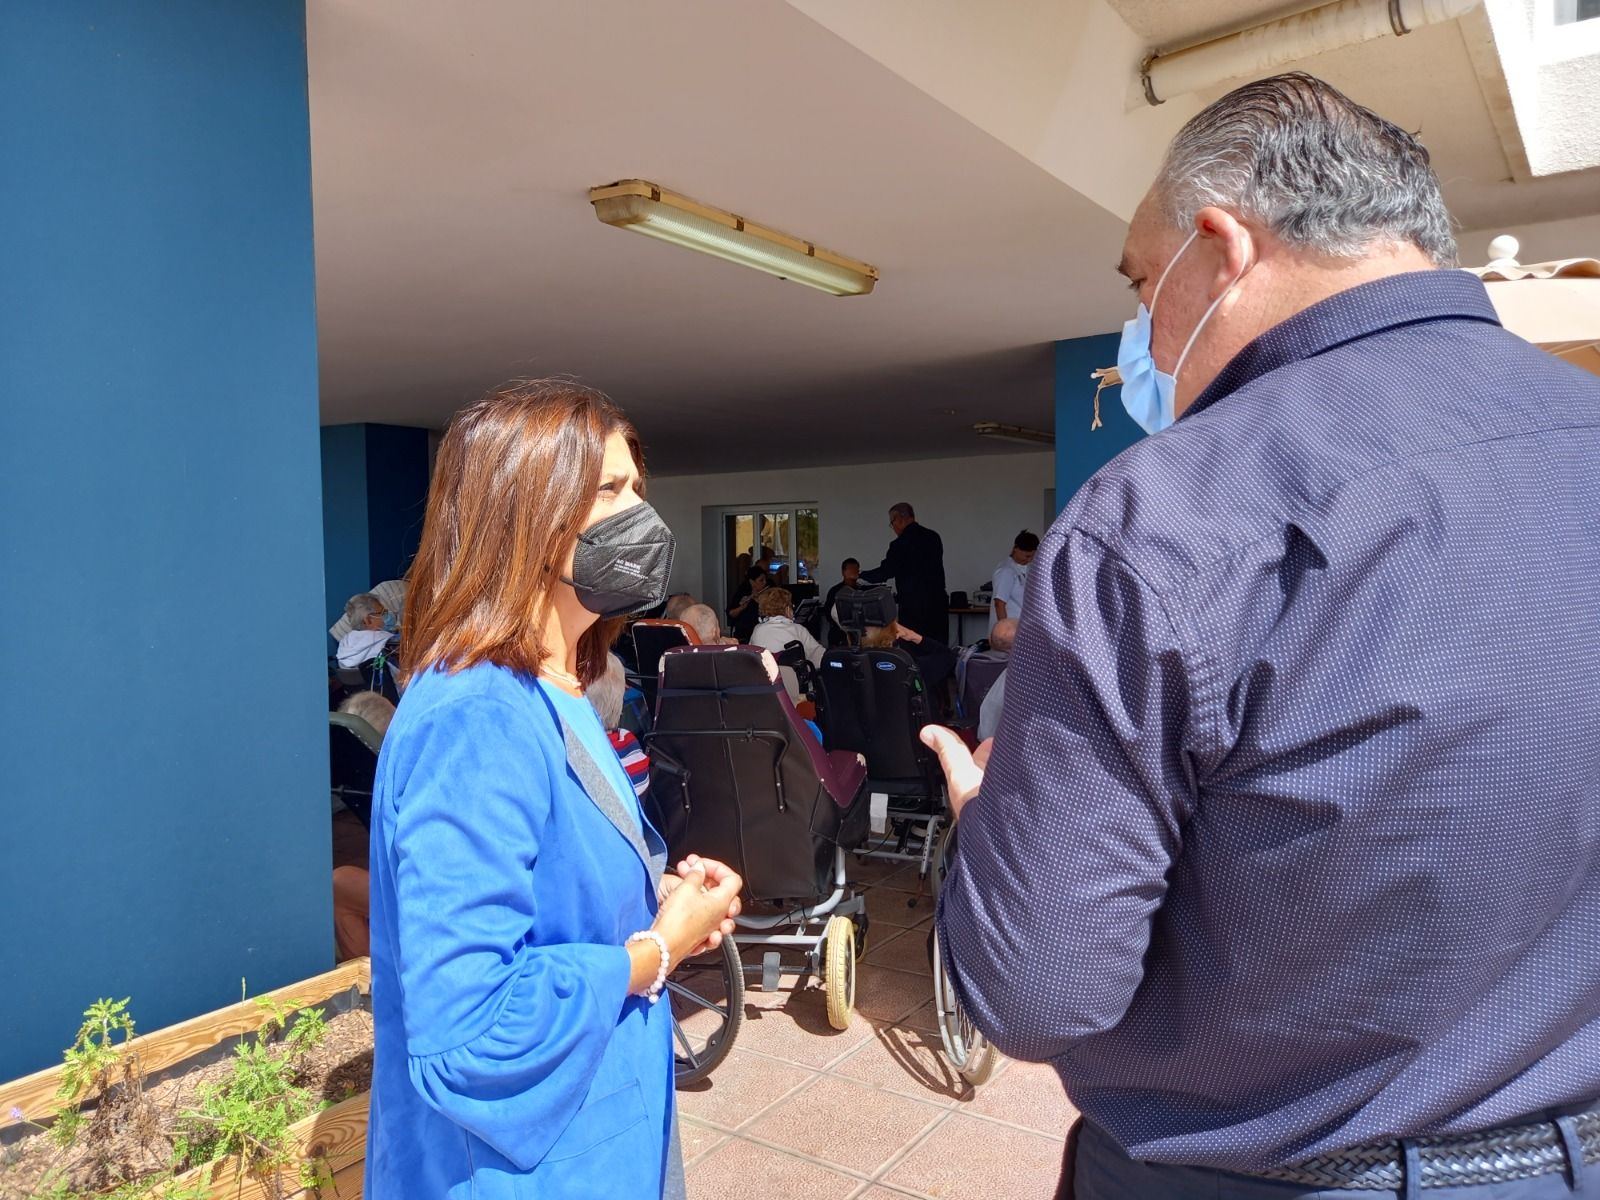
<point>1290,839</point>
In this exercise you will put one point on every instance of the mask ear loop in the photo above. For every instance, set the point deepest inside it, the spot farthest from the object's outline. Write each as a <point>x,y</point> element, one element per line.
<point>1189,345</point>
<point>1162,282</point>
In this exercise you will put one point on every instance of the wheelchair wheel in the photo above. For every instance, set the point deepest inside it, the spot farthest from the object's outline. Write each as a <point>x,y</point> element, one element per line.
<point>967,1049</point>
<point>707,997</point>
<point>839,972</point>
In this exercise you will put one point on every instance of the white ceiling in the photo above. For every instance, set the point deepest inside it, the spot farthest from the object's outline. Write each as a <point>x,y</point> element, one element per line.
<point>453,147</point>
<point>456,247</point>
<point>1425,82</point>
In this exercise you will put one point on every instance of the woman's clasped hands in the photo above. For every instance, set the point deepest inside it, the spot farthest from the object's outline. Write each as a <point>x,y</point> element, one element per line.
<point>698,905</point>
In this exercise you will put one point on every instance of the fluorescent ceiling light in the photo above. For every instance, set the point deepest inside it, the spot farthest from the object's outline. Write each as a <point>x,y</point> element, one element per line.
<point>1014,433</point>
<point>645,208</point>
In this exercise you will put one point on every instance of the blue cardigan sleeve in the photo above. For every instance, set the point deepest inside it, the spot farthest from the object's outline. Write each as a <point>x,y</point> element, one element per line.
<point>503,1034</point>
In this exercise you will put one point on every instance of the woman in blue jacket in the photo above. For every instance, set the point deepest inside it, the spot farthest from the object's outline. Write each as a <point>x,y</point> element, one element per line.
<point>523,924</point>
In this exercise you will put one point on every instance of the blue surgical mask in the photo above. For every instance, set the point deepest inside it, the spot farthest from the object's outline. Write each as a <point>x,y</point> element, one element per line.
<point>391,621</point>
<point>1147,391</point>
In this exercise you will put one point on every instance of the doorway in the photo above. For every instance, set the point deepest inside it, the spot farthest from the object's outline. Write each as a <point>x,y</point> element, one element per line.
<point>783,537</point>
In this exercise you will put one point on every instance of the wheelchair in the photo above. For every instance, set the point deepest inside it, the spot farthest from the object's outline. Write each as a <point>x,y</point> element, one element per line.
<point>736,775</point>
<point>971,1054</point>
<point>650,638</point>
<point>874,703</point>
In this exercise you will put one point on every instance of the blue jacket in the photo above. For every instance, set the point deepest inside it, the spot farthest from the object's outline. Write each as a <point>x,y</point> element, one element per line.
<point>510,1059</point>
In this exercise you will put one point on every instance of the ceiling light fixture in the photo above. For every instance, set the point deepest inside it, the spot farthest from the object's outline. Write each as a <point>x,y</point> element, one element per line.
<point>654,211</point>
<point>1014,433</point>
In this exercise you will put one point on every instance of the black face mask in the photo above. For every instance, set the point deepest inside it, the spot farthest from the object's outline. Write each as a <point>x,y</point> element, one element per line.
<point>623,563</point>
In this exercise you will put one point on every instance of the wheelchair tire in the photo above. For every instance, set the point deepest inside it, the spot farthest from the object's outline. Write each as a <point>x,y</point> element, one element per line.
<point>714,983</point>
<point>839,972</point>
<point>969,1052</point>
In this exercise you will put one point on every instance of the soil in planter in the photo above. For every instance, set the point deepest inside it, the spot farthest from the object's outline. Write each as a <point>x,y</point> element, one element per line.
<point>131,1137</point>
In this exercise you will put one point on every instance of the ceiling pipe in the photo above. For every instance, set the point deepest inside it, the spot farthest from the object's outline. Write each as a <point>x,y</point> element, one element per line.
<point>1256,51</point>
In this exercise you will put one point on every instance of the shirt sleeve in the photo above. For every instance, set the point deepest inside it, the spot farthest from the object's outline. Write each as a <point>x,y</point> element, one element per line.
<point>1062,857</point>
<point>503,1033</point>
<point>813,648</point>
<point>893,561</point>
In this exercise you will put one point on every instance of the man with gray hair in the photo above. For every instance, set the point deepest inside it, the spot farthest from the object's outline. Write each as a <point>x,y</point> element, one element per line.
<point>1287,852</point>
<point>370,630</point>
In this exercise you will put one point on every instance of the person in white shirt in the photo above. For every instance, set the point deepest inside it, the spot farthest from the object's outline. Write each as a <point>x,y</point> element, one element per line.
<point>777,628</point>
<point>1001,638</point>
<point>1011,578</point>
<point>371,627</point>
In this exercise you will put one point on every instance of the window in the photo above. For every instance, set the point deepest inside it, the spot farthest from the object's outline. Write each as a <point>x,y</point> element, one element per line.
<point>787,536</point>
<point>1569,12</point>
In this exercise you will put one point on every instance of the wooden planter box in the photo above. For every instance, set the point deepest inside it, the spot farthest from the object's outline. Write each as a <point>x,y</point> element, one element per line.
<point>337,1135</point>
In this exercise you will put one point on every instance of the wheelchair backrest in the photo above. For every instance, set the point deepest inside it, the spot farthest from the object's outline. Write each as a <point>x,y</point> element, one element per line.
<point>736,775</point>
<point>874,703</point>
<point>652,639</point>
<point>977,675</point>
<point>353,747</point>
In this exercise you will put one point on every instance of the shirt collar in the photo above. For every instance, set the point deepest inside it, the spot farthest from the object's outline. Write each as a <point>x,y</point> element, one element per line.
<point>1365,309</point>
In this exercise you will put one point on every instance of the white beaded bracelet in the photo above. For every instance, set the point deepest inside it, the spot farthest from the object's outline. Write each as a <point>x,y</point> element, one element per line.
<point>650,935</point>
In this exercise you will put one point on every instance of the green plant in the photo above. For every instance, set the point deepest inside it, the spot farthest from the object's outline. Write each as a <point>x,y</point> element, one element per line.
<point>93,1053</point>
<point>248,1114</point>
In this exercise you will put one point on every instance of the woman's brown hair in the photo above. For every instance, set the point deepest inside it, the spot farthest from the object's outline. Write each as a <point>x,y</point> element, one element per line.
<point>515,480</point>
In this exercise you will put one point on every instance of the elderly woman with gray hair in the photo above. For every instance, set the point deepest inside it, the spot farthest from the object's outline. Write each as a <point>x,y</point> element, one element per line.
<point>371,629</point>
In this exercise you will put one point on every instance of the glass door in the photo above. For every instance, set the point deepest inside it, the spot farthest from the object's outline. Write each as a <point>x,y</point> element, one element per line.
<point>781,538</point>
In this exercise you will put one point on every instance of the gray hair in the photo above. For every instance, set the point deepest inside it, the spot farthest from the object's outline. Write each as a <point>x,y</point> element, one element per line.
<point>606,692</point>
<point>372,707</point>
<point>704,621</point>
<point>358,608</point>
<point>903,510</point>
<point>1312,165</point>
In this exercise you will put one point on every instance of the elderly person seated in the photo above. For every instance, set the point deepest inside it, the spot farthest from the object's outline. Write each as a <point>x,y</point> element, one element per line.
<point>351,881</point>
<point>1002,637</point>
<point>372,627</point>
<point>606,696</point>
<point>676,605</point>
<point>936,662</point>
<point>702,618</point>
<point>777,628</point>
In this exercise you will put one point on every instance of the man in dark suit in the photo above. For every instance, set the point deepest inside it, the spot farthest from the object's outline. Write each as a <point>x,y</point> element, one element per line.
<point>915,562</point>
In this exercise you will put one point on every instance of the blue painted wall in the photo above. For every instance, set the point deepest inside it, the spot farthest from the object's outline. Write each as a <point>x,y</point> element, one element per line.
<point>397,496</point>
<point>375,492</point>
<point>344,516</point>
<point>162,739</point>
<point>1081,452</point>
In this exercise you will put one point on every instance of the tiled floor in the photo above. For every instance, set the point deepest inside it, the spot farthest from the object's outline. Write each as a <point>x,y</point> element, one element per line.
<point>799,1110</point>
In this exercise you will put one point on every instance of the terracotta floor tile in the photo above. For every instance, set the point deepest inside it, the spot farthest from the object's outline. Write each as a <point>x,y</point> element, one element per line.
<point>905,952</point>
<point>739,1168</point>
<point>698,1140</point>
<point>739,1088</point>
<point>846,1123</point>
<point>884,994</point>
<point>967,1157</point>
<point>887,910</point>
<point>924,1019</point>
<point>866,871</point>
<point>906,1062</point>
<point>907,880</point>
<point>794,1027</point>
<point>1027,1094</point>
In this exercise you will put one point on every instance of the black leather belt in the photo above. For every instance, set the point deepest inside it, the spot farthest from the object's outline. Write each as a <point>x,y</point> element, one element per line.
<point>1500,1155</point>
